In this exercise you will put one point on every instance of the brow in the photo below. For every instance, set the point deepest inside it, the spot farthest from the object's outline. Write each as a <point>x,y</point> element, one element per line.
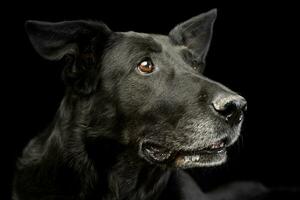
<point>186,54</point>
<point>146,44</point>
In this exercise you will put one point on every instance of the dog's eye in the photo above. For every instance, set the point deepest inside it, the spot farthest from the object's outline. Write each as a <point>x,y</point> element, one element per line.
<point>146,66</point>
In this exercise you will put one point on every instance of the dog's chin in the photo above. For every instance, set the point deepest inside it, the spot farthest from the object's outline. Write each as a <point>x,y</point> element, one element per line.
<point>211,155</point>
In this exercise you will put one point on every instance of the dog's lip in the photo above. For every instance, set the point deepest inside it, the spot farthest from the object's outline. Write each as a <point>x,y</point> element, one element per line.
<point>156,152</point>
<point>215,147</point>
<point>159,154</point>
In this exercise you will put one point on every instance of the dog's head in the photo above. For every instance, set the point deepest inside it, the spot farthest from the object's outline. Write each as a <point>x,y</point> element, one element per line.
<point>149,87</point>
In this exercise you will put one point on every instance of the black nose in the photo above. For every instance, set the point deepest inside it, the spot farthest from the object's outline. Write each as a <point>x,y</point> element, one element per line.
<point>230,107</point>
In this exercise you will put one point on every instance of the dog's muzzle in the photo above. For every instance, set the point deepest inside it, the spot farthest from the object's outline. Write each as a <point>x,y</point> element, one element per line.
<point>229,109</point>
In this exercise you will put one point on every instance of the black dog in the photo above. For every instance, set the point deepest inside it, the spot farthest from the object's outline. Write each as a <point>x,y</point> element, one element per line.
<point>137,108</point>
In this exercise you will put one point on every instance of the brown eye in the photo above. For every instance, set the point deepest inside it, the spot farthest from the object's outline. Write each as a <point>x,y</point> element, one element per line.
<point>146,66</point>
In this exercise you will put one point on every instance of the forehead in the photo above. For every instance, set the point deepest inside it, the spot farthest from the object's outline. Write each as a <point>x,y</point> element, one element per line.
<point>149,42</point>
<point>127,49</point>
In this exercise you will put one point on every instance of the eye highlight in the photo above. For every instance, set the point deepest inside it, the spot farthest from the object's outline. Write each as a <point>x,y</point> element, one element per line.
<point>146,66</point>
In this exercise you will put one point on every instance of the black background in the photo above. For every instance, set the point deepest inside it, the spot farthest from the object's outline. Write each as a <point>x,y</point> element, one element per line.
<point>251,53</point>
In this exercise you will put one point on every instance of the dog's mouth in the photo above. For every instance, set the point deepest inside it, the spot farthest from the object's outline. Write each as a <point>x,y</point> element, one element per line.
<point>210,155</point>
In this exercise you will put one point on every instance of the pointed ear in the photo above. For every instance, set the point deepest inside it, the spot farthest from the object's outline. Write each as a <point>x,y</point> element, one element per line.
<point>196,34</point>
<point>78,43</point>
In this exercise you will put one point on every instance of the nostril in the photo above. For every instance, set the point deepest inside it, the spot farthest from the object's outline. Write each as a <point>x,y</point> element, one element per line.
<point>228,109</point>
<point>231,108</point>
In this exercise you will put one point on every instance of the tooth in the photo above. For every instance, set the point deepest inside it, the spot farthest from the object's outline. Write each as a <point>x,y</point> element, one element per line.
<point>186,159</point>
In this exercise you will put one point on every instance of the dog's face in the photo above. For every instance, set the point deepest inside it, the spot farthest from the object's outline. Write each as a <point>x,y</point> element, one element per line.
<point>166,108</point>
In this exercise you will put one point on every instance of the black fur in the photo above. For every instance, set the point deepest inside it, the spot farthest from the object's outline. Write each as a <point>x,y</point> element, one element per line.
<point>96,146</point>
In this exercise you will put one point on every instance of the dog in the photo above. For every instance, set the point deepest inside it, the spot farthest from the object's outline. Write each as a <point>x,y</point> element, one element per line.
<point>137,111</point>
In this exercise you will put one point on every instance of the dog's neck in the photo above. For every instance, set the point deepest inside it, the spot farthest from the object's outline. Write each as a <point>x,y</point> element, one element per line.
<point>129,180</point>
<point>107,169</point>
<point>121,174</point>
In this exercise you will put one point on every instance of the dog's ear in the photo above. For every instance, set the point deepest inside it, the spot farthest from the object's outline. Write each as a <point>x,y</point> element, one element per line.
<point>196,34</point>
<point>55,40</point>
<point>78,43</point>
